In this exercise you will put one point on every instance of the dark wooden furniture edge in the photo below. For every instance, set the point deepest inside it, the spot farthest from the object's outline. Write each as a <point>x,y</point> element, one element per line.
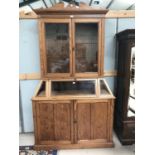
<point>126,34</point>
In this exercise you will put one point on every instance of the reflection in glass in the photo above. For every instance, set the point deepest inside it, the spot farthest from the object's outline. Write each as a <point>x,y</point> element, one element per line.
<point>73,87</point>
<point>86,47</point>
<point>103,88</point>
<point>41,92</point>
<point>131,99</point>
<point>57,47</point>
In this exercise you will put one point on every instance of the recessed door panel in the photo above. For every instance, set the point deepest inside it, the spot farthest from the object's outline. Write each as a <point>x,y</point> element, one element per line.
<point>84,121</point>
<point>62,119</point>
<point>99,120</point>
<point>46,121</point>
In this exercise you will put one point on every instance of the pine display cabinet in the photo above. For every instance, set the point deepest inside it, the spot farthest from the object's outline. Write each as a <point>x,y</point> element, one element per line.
<point>73,104</point>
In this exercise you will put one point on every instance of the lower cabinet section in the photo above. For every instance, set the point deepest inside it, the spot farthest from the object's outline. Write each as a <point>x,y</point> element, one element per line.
<point>73,124</point>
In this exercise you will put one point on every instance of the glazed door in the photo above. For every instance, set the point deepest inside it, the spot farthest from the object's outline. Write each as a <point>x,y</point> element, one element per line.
<point>55,42</point>
<point>86,47</point>
<point>54,122</point>
<point>91,121</point>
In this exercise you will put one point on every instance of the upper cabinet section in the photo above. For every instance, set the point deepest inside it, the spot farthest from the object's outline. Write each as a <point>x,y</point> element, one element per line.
<point>71,41</point>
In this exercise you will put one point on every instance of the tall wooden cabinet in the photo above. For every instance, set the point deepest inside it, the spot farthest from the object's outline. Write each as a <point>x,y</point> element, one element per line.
<point>73,104</point>
<point>124,123</point>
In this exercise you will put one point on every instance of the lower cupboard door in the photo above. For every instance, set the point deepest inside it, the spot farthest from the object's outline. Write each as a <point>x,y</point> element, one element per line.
<point>54,122</point>
<point>92,121</point>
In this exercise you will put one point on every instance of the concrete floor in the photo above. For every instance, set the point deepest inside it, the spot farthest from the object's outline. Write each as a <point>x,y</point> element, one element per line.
<point>28,139</point>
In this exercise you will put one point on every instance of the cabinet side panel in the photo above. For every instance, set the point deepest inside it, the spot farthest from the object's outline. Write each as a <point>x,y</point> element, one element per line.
<point>99,120</point>
<point>110,119</point>
<point>35,121</point>
<point>83,119</point>
<point>46,121</point>
<point>62,121</point>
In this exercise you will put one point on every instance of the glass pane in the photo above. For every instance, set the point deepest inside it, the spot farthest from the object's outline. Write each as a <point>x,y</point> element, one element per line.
<point>73,87</point>
<point>103,88</point>
<point>41,92</point>
<point>86,47</point>
<point>57,47</point>
<point>131,99</point>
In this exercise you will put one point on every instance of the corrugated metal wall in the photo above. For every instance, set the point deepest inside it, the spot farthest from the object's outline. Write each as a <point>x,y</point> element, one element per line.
<point>29,60</point>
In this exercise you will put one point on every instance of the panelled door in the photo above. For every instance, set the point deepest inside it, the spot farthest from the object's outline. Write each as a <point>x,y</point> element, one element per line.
<point>54,122</point>
<point>86,35</point>
<point>91,121</point>
<point>55,47</point>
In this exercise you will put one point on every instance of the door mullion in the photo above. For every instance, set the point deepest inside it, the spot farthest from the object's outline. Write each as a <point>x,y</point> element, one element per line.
<point>73,47</point>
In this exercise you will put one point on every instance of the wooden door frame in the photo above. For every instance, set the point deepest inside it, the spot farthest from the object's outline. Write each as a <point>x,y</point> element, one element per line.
<point>42,40</point>
<point>86,20</point>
